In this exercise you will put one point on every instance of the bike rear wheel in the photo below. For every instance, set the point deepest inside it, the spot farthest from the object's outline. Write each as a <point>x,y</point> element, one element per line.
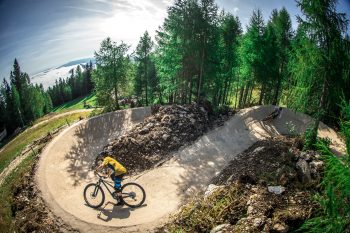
<point>94,195</point>
<point>133,195</point>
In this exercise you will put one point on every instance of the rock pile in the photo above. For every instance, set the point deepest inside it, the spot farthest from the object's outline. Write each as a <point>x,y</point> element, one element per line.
<point>269,212</point>
<point>169,128</point>
<point>275,162</point>
<point>280,185</point>
<point>274,183</point>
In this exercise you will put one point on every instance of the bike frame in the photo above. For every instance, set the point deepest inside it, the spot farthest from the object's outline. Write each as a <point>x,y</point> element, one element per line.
<point>123,198</point>
<point>110,184</point>
<point>106,184</point>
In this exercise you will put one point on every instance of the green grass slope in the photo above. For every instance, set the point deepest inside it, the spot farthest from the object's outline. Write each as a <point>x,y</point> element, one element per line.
<point>77,104</point>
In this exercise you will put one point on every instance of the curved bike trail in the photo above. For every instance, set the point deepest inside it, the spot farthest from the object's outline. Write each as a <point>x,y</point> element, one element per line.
<point>64,168</point>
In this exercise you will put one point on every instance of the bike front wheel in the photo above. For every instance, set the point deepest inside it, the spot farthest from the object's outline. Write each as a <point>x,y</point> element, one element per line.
<point>133,195</point>
<point>94,195</point>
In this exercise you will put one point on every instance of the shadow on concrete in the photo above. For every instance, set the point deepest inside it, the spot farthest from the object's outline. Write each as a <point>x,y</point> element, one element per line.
<point>110,211</point>
<point>92,135</point>
<point>106,213</point>
<point>210,154</point>
<point>205,158</point>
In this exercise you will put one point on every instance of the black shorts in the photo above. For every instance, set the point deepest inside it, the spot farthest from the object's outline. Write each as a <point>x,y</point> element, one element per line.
<point>118,177</point>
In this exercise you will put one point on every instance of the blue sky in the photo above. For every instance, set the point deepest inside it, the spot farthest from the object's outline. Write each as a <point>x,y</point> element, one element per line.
<point>47,33</point>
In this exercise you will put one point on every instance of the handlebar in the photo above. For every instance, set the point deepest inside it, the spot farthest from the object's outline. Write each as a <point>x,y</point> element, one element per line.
<point>97,174</point>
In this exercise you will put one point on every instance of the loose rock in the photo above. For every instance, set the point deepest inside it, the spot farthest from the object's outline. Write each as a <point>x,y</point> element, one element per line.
<point>304,171</point>
<point>220,228</point>
<point>276,189</point>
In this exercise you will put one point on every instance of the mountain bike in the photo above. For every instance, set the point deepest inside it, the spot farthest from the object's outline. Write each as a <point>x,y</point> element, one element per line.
<point>132,194</point>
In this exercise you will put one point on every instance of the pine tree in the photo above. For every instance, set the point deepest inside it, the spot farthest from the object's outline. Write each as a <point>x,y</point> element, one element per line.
<point>16,75</point>
<point>187,50</point>
<point>321,44</point>
<point>143,51</point>
<point>252,54</point>
<point>176,56</point>
<point>112,70</point>
<point>3,113</point>
<point>230,31</point>
<point>208,41</point>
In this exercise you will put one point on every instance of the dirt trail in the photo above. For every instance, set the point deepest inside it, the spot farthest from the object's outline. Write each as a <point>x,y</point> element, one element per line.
<point>13,165</point>
<point>64,167</point>
<point>51,118</point>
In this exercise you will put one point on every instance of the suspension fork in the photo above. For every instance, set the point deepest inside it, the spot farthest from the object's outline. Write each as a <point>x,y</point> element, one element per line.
<point>96,188</point>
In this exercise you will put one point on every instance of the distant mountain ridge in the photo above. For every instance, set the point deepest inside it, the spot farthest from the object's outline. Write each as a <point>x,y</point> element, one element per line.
<point>78,62</point>
<point>49,76</point>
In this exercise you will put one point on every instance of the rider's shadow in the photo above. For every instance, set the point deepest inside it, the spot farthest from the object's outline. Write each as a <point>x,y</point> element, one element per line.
<point>107,214</point>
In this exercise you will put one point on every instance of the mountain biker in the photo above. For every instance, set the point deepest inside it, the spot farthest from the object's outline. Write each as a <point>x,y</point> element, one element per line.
<point>116,171</point>
<point>273,115</point>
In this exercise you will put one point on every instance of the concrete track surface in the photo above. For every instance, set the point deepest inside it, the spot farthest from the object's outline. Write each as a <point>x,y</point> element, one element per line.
<point>64,168</point>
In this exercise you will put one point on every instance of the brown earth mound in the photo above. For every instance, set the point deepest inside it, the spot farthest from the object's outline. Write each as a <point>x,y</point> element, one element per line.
<point>169,128</point>
<point>29,210</point>
<point>267,188</point>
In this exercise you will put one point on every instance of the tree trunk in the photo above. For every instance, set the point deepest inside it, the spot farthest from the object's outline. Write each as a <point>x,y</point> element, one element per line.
<point>320,109</point>
<point>116,81</point>
<point>237,90</point>
<point>279,80</point>
<point>225,89</point>
<point>146,80</point>
<point>251,93</point>
<point>245,95</point>
<point>225,101</point>
<point>262,92</point>
<point>218,97</point>
<point>201,72</point>
<point>236,97</point>
<point>190,90</point>
<point>116,97</point>
<point>241,97</point>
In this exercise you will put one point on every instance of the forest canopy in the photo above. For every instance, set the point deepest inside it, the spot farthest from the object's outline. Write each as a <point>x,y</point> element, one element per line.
<point>201,52</point>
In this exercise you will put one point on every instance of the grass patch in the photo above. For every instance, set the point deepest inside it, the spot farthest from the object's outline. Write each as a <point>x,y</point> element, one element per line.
<point>6,193</point>
<point>203,214</point>
<point>334,199</point>
<point>14,147</point>
<point>76,104</point>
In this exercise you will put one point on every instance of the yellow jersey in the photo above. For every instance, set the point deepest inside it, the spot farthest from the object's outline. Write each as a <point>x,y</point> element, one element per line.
<point>115,165</point>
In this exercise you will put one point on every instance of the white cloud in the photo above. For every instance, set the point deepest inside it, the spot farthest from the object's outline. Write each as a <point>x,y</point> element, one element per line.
<point>78,31</point>
<point>78,35</point>
<point>129,26</point>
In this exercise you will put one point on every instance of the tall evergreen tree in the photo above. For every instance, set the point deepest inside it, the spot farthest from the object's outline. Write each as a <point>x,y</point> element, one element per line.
<point>252,53</point>
<point>143,51</point>
<point>320,43</point>
<point>186,52</point>
<point>230,31</point>
<point>208,41</point>
<point>16,76</point>
<point>112,70</point>
<point>283,27</point>
<point>11,101</point>
<point>3,113</point>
